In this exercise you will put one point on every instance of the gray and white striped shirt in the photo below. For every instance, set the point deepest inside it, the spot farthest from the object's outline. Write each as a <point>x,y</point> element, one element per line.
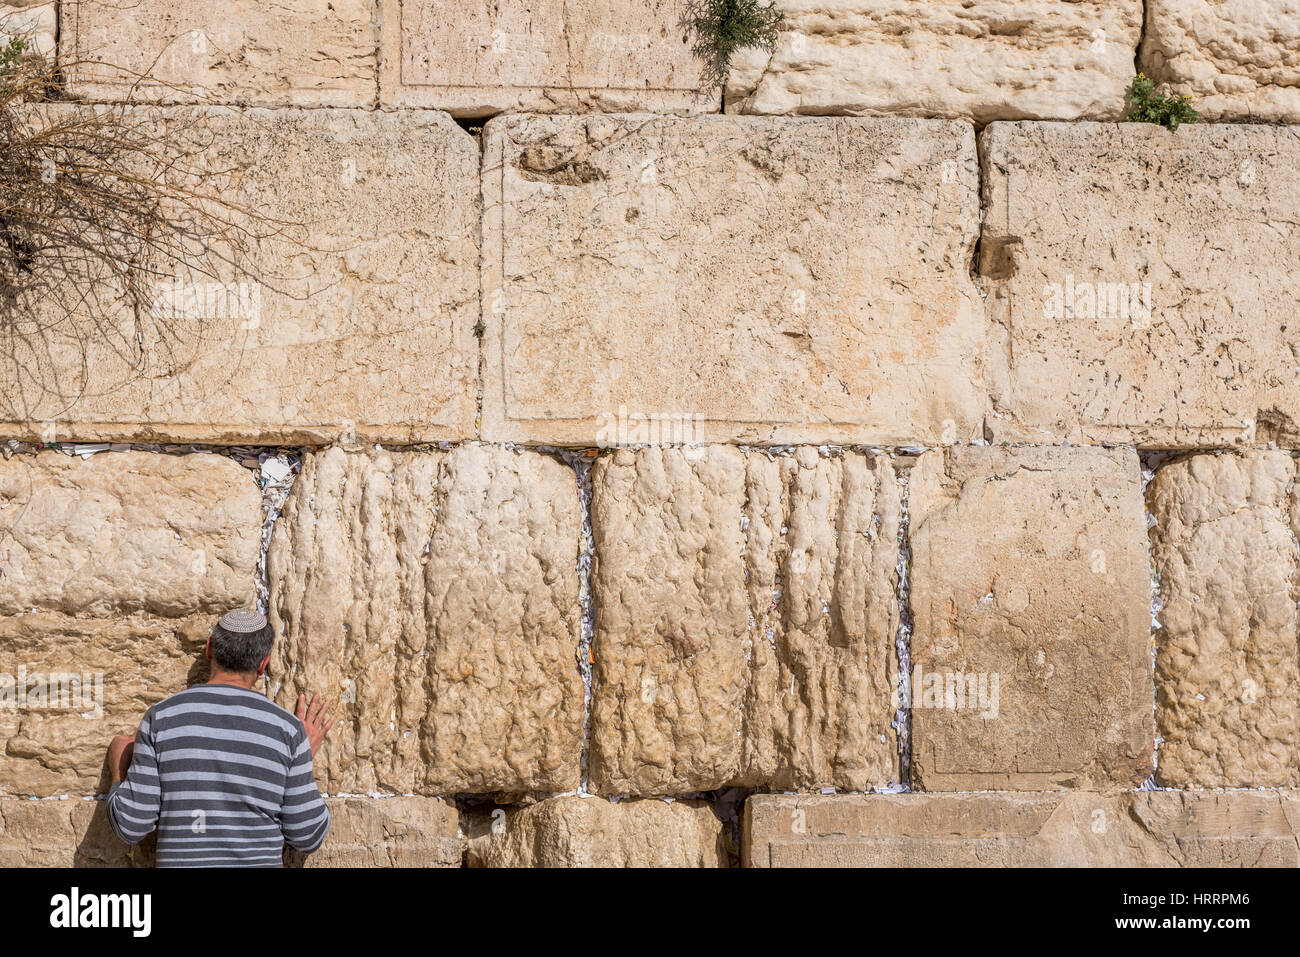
<point>225,776</point>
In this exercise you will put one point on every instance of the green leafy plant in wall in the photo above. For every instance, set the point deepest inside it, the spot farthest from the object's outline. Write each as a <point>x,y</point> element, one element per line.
<point>1148,106</point>
<point>724,27</point>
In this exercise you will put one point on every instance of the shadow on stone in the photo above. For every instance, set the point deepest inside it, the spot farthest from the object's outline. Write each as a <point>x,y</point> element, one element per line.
<point>98,846</point>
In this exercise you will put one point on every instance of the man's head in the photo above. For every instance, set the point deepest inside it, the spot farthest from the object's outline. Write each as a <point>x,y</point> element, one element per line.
<point>241,644</point>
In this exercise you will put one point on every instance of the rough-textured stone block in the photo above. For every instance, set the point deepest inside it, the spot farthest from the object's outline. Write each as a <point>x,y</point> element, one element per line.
<point>396,832</point>
<point>389,832</point>
<point>593,832</point>
<point>478,60</point>
<point>69,833</point>
<point>103,676</point>
<point>351,316</point>
<point>1224,547</point>
<point>1044,829</point>
<point>745,620</point>
<point>437,593</point>
<point>115,566</point>
<point>983,60</point>
<point>1030,651</point>
<point>764,280</point>
<point>1143,284</point>
<point>290,53</point>
<point>36,21</point>
<point>1237,59</point>
<point>124,532</point>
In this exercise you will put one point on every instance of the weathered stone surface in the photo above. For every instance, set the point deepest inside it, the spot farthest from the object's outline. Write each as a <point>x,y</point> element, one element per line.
<point>745,620</point>
<point>593,832</point>
<point>767,280</point>
<point>1238,59</point>
<point>437,593</point>
<point>113,571</point>
<point>1194,340</point>
<point>103,676</point>
<point>68,833</point>
<point>35,21</point>
<point>396,832</point>
<point>349,313</point>
<point>1044,829</point>
<point>1228,705</point>
<point>1029,576</point>
<point>124,532</point>
<point>291,53</point>
<point>389,832</point>
<point>478,60</point>
<point>983,60</point>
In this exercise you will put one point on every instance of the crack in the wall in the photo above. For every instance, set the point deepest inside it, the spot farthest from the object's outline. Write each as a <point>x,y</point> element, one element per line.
<point>275,492</point>
<point>377,24</point>
<point>903,639</point>
<point>1151,462</point>
<point>475,129</point>
<point>581,463</point>
<point>1142,36</point>
<point>729,805</point>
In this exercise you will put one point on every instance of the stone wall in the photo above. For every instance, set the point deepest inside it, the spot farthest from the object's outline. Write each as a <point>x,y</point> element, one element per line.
<point>883,457</point>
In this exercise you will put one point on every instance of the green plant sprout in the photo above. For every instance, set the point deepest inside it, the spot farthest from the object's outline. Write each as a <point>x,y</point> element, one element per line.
<point>1148,106</point>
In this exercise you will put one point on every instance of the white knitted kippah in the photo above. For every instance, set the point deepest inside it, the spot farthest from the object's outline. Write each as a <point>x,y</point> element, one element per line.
<point>243,621</point>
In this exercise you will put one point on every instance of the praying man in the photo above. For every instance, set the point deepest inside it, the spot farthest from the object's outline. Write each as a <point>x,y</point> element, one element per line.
<point>223,773</point>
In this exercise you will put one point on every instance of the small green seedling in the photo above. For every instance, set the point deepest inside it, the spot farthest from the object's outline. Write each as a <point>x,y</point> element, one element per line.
<point>1148,106</point>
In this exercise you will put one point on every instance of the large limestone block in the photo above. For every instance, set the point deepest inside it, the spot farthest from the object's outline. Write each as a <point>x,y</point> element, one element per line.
<point>1043,829</point>
<point>1228,706</point>
<point>36,21</point>
<point>980,60</point>
<point>388,832</point>
<point>437,594</point>
<point>1143,284</point>
<point>123,532</point>
<point>290,53</point>
<point>730,278</point>
<point>745,620</point>
<point>396,832</point>
<point>112,572</point>
<point>477,60</point>
<point>1237,59</point>
<point>1030,650</point>
<point>67,833</point>
<point>594,832</point>
<point>102,676</point>
<point>349,315</point>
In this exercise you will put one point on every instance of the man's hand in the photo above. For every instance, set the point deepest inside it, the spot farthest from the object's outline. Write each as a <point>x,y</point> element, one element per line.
<point>120,750</point>
<point>313,718</point>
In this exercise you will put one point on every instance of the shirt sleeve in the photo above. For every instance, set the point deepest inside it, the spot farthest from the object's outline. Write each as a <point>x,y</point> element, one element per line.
<point>134,802</point>
<point>304,818</point>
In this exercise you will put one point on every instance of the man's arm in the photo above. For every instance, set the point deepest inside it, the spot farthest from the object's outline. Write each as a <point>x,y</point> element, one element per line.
<point>135,798</point>
<point>304,818</point>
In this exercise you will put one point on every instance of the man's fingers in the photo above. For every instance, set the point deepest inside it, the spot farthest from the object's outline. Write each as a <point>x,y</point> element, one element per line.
<point>315,712</point>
